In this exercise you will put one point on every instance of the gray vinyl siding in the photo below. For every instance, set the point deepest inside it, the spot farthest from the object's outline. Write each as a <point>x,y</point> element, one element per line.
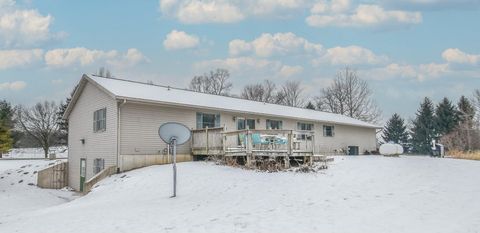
<point>140,123</point>
<point>97,145</point>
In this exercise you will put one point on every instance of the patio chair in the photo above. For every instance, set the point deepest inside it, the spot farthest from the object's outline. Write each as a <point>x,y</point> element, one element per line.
<point>280,140</point>
<point>258,140</point>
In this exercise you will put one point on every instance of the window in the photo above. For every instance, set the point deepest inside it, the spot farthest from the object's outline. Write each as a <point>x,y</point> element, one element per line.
<point>274,124</point>
<point>304,127</point>
<point>205,120</point>
<point>243,123</point>
<point>100,120</point>
<point>98,165</point>
<point>251,123</point>
<point>328,131</point>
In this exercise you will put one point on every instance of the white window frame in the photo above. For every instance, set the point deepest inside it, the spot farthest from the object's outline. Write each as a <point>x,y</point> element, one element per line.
<point>305,136</point>
<point>100,120</point>
<point>268,126</point>
<point>201,123</point>
<point>332,130</point>
<point>98,165</point>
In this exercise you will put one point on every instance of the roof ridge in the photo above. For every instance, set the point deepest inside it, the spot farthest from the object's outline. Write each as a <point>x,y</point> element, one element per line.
<point>227,96</point>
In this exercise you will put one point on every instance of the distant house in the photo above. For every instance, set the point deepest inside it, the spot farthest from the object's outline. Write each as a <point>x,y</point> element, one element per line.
<point>114,122</point>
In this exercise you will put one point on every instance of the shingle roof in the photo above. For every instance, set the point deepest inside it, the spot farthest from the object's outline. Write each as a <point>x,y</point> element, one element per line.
<point>125,89</point>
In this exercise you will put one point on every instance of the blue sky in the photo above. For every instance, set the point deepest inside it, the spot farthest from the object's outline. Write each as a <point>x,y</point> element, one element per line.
<point>405,49</point>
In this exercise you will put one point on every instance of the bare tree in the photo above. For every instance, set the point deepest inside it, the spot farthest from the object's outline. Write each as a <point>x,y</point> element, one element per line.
<point>349,95</point>
<point>264,92</point>
<point>40,122</point>
<point>217,83</point>
<point>476,98</point>
<point>291,94</point>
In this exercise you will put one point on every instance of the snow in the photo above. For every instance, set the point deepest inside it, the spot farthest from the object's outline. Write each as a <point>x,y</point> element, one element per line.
<point>141,91</point>
<point>356,194</point>
<point>18,193</point>
<point>35,153</point>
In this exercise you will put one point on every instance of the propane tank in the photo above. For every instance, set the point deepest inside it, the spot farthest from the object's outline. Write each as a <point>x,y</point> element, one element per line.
<point>390,149</point>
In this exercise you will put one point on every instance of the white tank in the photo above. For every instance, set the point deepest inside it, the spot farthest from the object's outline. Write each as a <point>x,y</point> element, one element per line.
<point>391,149</point>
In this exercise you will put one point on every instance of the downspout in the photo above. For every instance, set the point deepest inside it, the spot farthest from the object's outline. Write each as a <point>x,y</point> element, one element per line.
<point>119,132</point>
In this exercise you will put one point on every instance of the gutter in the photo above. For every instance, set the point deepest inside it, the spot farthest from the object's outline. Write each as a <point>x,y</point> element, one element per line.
<point>120,105</point>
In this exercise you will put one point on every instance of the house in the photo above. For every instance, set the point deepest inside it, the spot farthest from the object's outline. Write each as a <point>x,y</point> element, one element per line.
<point>114,122</point>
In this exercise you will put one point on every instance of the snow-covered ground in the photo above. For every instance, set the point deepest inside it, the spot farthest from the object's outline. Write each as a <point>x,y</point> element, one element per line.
<point>356,194</point>
<point>18,193</point>
<point>35,153</point>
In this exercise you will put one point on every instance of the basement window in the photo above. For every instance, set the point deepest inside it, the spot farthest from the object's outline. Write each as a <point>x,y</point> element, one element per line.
<point>98,165</point>
<point>328,131</point>
<point>100,120</point>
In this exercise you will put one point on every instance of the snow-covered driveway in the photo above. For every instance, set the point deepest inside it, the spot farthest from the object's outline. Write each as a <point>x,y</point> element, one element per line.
<point>357,194</point>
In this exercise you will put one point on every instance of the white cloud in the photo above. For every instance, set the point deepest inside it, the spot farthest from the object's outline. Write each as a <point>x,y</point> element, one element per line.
<point>363,15</point>
<point>15,58</point>
<point>419,72</point>
<point>14,86</point>
<point>24,27</point>
<point>195,12</point>
<point>266,7</point>
<point>226,11</point>
<point>334,6</point>
<point>76,56</point>
<point>288,71</point>
<point>180,40</point>
<point>129,59</point>
<point>457,56</point>
<point>350,55</point>
<point>432,4</point>
<point>84,57</point>
<point>274,44</point>
<point>239,64</point>
<point>238,47</point>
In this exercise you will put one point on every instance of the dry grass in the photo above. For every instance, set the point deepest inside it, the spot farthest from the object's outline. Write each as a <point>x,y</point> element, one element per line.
<point>473,155</point>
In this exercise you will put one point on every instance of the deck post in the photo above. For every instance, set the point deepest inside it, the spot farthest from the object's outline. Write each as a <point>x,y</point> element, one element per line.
<point>313,148</point>
<point>248,150</point>
<point>289,150</point>
<point>224,144</point>
<point>206,134</point>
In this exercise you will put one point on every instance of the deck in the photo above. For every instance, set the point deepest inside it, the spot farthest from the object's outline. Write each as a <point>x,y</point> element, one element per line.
<point>252,144</point>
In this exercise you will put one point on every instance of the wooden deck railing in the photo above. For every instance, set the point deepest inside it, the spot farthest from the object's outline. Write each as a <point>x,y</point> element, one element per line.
<point>207,141</point>
<point>216,141</point>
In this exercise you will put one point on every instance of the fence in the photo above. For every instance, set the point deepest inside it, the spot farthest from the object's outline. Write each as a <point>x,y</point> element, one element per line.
<point>54,177</point>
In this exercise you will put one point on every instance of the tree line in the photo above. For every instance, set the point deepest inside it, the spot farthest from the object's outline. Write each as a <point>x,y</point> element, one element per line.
<point>348,94</point>
<point>456,126</point>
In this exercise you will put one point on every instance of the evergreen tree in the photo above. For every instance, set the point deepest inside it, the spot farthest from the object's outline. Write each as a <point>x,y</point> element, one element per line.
<point>466,111</point>
<point>423,130</point>
<point>395,130</point>
<point>446,117</point>
<point>6,114</point>
<point>6,141</point>
<point>310,105</point>
<point>62,123</point>
<point>6,125</point>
